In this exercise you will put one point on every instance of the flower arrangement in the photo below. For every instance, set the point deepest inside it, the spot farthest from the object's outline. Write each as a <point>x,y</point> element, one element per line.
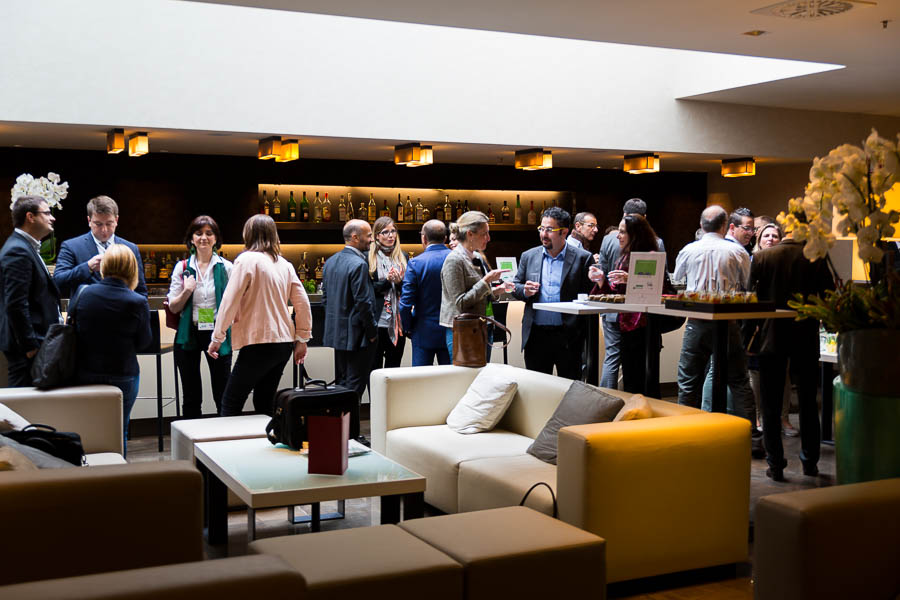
<point>49,188</point>
<point>851,181</point>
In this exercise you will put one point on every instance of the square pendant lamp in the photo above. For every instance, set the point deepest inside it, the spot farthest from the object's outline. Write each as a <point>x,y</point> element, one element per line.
<point>534,159</point>
<point>138,144</point>
<point>413,155</point>
<point>738,167</point>
<point>646,162</point>
<point>290,150</point>
<point>269,147</point>
<point>115,141</point>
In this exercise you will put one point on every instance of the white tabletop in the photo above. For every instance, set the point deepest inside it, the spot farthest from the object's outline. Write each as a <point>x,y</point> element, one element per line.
<point>263,475</point>
<point>589,308</point>
<point>730,316</point>
<point>828,357</point>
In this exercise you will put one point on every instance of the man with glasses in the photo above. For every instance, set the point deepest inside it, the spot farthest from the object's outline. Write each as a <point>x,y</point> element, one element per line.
<point>584,231</point>
<point>741,228</point>
<point>29,300</point>
<point>420,300</point>
<point>79,258</point>
<point>553,272</point>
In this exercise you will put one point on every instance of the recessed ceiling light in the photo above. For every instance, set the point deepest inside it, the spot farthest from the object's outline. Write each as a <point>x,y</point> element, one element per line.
<point>755,32</point>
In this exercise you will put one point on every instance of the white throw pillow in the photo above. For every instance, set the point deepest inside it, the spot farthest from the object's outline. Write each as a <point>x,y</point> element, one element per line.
<point>485,402</point>
<point>11,420</point>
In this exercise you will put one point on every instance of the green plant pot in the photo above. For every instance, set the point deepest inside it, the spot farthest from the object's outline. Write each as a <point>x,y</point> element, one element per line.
<point>866,440</point>
<point>870,361</point>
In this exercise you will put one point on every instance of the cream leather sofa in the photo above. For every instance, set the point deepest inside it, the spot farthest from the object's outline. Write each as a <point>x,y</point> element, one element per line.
<point>106,517</point>
<point>667,494</point>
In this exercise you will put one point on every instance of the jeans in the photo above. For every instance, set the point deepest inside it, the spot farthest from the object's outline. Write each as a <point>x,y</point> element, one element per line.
<point>424,357</point>
<point>696,353</point>
<point>188,362</point>
<point>612,339</point>
<point>487,354</point>
<point>258,368</point>
<point>129,385</point>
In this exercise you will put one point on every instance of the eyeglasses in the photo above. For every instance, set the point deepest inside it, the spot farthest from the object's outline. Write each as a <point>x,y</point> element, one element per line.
<point>388,232</point>
<point>549,229</point>
<point>589,225</point>
<point>747,227</point>
<point>43,212</point>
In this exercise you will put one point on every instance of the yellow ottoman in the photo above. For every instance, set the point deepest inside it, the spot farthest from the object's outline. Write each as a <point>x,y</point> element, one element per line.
<point>382,562</point>
<point>517,552</point>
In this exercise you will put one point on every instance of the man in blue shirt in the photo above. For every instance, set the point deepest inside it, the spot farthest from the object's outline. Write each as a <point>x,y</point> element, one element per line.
<point>553,272</point>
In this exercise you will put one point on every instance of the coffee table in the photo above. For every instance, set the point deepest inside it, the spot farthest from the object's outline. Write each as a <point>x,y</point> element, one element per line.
<point>267,476</point>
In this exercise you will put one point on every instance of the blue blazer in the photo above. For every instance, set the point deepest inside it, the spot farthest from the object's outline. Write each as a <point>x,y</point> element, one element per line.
<point>72,269</point>
<point>420,300</point>
<point>29,300</point>
<point>112,324</point>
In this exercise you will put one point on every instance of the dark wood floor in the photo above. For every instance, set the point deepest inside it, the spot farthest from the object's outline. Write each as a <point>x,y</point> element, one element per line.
<point>722,584</point>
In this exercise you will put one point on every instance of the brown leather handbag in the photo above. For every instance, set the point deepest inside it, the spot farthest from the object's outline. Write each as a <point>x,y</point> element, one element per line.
<point>470,339</point>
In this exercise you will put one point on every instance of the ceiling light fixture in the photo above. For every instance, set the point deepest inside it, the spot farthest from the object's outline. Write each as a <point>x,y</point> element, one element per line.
<point>755,32</point>
<point>534,159</point>
<point>290,150</point>
<point>115,141</point>
<point>738,167</point>
<point>646,162</point>
<point>413,155</point>
<point>138,144</point>
<point>269,147</point>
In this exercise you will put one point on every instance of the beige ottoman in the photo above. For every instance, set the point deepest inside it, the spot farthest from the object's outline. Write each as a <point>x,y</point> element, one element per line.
<point>517,552</point>
<point>382,562</point>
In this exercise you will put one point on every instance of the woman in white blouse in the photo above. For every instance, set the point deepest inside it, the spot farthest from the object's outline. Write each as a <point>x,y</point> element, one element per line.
<point>198,284</point>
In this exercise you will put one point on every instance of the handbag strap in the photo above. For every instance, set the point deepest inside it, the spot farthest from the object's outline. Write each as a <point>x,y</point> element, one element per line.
<point>70,317</point>
<point>485,319</point>
<point>552,496</point>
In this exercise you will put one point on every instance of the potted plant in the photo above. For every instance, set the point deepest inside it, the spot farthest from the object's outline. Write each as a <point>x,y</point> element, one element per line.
<point>50,189</point>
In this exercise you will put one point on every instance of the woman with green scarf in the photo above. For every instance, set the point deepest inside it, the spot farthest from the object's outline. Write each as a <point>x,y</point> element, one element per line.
<point>196,292</point>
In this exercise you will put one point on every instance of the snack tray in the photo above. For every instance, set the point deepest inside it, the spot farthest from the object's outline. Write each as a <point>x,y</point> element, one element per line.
<point>720,307</point>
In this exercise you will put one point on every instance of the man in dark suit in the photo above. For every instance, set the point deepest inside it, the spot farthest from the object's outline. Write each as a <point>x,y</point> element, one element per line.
<point>29,300</point>
<point>420,300</point>
<point>349,299</point>
<point>79,258</point>
<point>553,272</point>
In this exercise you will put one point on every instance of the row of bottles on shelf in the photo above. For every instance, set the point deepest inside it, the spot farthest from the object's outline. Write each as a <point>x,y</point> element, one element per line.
<point>158,267</point>
<point>321,211</point>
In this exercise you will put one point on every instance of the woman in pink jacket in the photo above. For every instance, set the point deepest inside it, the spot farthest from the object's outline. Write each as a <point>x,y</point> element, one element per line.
<point>255,306</point>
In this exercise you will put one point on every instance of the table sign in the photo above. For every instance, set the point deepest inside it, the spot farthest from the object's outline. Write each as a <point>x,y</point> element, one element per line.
<point>509,263</point>
<point>645,277</point>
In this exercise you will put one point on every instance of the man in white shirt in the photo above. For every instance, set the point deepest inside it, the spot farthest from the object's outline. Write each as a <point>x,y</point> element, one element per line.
<point>713,263</point>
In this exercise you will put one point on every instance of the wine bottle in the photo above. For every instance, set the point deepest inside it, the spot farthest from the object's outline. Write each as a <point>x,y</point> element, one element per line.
<point>491,218</point>
<point>459,209</point>
<point>342,210</point>
<point>532,216</point>
<point>373,209</point>
<point>304,209</point>
<point>400,214</point>
<point>265,205</point>
<point>276,207</point>
<point>385,210</point>
<point>518,212</point>
<point>439,211</point>
<point>420,211</point>
<point>466,206</point>
<point>326,209</point>
<point>292,208</point>
<point>317,209</point>
<point>350,209</point>
<point>426,214</point>
<point>504,212</point>
<point>408,210</point>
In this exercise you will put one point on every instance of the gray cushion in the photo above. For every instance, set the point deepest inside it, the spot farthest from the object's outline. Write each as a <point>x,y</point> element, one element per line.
<point>41,459</point>
<point>582,404</point>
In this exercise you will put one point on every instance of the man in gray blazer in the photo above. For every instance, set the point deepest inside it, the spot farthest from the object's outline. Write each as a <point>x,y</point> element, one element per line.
<point>349,299</point>
<point>553,272</point>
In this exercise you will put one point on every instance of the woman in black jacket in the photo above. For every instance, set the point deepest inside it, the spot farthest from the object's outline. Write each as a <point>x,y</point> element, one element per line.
<point>112,322</point>
<point>387,264</point>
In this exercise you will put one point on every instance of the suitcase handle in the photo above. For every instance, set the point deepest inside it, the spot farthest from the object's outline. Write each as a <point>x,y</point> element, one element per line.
<point>305,378</point>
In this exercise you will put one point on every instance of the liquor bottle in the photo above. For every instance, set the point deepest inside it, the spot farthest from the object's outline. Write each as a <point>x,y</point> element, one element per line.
<point>292,208</point>
<point>518,212</point>
<point>408,210</point>
<point>373,209</point>
<point>276,207</point>
<point>459,209</point>
<point>400,214</point>
<point>350,209</point>
<point>504,213</point>
<point>303,269</point>
<point>362,212</point>
<point>265,205</point>
<point>420,211</point>
<point>448,208</point>
<point>439,211</point>
<point>304,209</point>
<point>532,216</point>
<point>426,214</point>
<point>466,206</point>
<point>317,209</point>
<point>544,209</point>
<point>491,218</point>
<point>385,210</point>
<point>320,266</point>
<point>150,268</point>
<point>326,209</point>
<point>342,210</point>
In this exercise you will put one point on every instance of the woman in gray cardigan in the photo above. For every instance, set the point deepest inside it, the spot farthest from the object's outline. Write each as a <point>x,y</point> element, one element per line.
<point>465,288</point>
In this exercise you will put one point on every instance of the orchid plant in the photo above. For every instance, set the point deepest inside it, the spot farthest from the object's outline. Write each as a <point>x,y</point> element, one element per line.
<point>50,189</point>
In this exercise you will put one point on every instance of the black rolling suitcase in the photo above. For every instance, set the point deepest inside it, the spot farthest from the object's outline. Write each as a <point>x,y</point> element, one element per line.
<point>314,397</point>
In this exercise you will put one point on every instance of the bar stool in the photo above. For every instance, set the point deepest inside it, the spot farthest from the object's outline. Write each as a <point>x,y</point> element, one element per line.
<point>157,348</point>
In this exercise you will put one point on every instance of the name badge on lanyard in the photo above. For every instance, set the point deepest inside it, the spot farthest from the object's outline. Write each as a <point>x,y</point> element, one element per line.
<point>206,319</point>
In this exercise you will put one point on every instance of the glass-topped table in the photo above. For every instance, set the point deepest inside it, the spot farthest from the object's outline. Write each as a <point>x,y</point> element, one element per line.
<point>267,476</point>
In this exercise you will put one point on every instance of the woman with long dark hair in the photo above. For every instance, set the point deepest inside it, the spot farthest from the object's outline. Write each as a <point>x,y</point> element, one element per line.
<point>387,264</point>
<point>635,235</point>
<point>256,304</point>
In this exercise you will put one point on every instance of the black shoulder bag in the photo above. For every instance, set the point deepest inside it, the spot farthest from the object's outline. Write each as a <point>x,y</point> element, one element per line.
<point>55,362</point>
<point>64,445</point>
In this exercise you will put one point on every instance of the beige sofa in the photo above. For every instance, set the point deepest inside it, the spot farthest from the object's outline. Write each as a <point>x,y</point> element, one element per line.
<point>83,520</point>
<point>668,494</point>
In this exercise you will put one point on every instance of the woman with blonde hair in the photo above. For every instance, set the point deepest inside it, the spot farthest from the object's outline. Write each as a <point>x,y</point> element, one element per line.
<point>112,323</point>
<point>466,276</point>
<point>387,264</point>
<point>255,306</point>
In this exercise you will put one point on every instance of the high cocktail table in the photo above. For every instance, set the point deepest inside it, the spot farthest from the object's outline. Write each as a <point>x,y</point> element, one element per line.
<point>267,476</point>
